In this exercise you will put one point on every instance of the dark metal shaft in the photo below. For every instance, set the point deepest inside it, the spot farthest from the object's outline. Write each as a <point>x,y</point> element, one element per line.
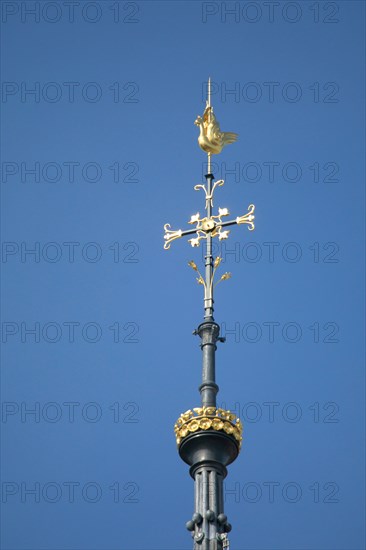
<point>209,334</point>
<point>208,257</point>
<point>209,505</point>
<point>208,330</point>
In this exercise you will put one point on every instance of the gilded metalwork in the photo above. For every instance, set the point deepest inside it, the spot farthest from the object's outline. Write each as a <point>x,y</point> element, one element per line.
<point>224,277</point>
<point>208,418</point>
<point>209,195</point>
<point>170,235</point>
<point>209,225</point>
<point>201,281</point>
<point>211,139</point>
<point>247,218</point>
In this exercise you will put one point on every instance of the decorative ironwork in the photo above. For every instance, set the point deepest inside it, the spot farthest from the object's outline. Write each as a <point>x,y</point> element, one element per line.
<point>170,235</point>
<point>209,226</point>
<point>247,218</point>
<point>209,195</point>
<point>201,281</point>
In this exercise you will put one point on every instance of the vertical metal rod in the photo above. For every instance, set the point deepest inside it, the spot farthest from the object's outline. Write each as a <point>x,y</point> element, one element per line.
<point>212,502</point>
<point>208,257</point>
<point>205,505</point>
<point>209,120</point>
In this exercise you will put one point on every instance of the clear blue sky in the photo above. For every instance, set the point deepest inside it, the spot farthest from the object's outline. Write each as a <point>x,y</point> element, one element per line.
<point>109,134</point>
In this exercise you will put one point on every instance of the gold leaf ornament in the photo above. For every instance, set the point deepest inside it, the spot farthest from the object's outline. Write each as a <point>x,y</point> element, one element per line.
<point>205,423</point>
<point>193,426</point>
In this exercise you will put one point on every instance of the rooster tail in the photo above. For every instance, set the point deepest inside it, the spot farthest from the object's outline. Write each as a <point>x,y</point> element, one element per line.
<point>230,137</point>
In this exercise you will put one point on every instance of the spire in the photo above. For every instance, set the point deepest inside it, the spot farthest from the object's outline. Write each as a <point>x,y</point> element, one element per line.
<point>209,438</point>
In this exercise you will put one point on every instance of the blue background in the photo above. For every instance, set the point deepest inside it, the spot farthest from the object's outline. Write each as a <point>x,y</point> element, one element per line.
<point>160,54</point>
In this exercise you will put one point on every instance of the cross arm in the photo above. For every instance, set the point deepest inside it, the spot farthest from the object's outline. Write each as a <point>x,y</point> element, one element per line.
<point>171,235</point>
<point>247,218</point>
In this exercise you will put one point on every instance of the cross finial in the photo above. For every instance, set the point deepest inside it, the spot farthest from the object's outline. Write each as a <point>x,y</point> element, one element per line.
<point>212,141</point>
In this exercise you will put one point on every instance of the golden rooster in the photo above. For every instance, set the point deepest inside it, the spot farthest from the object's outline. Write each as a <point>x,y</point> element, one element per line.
<point>211,139</point>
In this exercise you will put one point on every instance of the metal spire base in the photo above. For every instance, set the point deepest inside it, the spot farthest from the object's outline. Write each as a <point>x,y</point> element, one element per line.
<point>208,451</point>
<point>209,524</point>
